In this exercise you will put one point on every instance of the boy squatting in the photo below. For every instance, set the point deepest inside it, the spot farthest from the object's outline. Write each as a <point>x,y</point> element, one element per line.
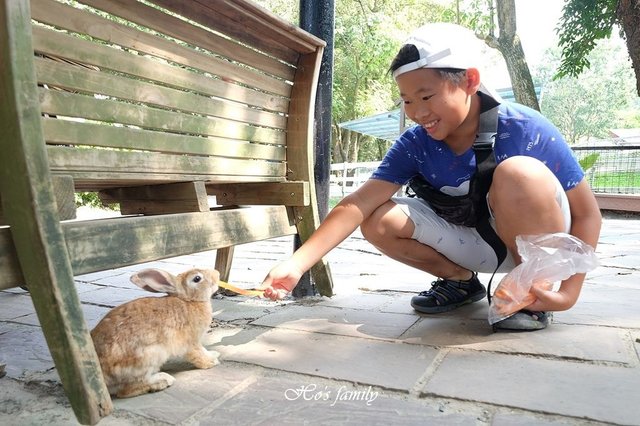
<point>538,186</point>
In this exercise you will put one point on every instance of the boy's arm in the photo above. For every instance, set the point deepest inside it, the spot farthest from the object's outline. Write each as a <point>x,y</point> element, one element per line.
<point>343,219</point>
<point>586,222</point>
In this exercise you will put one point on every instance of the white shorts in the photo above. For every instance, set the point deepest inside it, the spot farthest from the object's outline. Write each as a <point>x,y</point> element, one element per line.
<point>460,244</point>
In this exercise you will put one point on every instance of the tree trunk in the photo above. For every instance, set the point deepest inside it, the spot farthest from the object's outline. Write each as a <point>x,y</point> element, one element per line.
<point>628,15</point>
<point>508,43</point>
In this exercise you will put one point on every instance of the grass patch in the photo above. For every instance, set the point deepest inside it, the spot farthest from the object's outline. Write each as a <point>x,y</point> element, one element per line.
<point>614,180</point>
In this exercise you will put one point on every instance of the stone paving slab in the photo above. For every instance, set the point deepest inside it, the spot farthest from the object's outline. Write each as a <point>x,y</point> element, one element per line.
<point>15,305</point>
<point>605,305</point>
<point>581,390</point>
<point>193,392</point>
<point>24,350</point>
<point>241,309</point>
<point>340,321</point>
<point>366,361</point>
<point>296,400</point>
<point>603,344</point>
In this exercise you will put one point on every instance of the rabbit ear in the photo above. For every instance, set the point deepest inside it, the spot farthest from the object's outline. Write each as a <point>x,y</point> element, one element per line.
<point>155,281</point>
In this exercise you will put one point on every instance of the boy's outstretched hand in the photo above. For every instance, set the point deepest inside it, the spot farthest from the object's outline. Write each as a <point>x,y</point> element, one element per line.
<point>281,280</point>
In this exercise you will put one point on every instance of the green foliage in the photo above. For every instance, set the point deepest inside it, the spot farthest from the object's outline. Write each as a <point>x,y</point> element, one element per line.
<point>582,24</point>
<point>589,105</point>
<point>476,14</point>
<point>589,161</point>
<point>91,199</point>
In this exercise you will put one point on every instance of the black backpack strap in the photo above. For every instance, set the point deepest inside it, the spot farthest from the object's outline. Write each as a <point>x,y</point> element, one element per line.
<point>485,165</point>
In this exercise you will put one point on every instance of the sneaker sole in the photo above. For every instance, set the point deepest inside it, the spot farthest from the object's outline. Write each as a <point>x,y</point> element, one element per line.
<point>521,322</point>
<point>446,308</point>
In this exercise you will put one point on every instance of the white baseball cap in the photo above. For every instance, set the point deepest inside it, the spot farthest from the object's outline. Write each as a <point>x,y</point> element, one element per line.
<point>444,45</point>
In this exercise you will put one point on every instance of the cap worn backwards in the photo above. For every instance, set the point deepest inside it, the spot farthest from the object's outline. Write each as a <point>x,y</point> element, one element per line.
<point>444,45</point>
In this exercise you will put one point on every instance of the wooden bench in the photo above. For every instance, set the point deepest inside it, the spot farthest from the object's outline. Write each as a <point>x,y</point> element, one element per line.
<point>158,106</point>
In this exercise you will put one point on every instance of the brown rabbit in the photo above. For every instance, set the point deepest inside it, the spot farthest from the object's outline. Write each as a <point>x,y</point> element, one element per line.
<point>135,339</point>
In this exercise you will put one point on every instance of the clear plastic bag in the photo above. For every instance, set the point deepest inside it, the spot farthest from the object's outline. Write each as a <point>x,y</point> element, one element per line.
<point>546,259</point>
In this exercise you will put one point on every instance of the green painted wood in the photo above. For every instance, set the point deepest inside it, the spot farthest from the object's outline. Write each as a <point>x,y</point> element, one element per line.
<point>299,151</point>
<point>112,243</point>
<point>64,193</point>
<point>170,198</point>
<point>155,166</point>
<point>29,205</point>
<point>76,78</point>
<point>56,102</point>
<point>66,132</point>
<point>83,22</point>
<point>174,27</point>
<point>179,75</point>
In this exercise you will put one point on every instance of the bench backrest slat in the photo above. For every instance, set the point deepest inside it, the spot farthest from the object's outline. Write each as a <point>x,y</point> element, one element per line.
<point>80,78</point>
<point>77,133</point>
<point>55,102</point>
<point>119,165</point>
<point>249,23</point>
<point>58,44</point>
<point>210,79</point>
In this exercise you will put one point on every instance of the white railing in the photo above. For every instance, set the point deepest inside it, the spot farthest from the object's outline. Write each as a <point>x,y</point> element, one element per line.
<point>347,177</point>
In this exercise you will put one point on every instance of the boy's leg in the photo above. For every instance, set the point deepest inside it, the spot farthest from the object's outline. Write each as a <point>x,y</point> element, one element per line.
<point>524,201</point>
<point>392,232</point>
<point>525,198</point>
<point>407,230</point>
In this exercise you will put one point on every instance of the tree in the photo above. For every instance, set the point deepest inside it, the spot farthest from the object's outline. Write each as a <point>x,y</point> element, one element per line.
<point>628,16</point>
<point>583,22</point>
<point>508,43</point>
<point>591,104</point>
<point>368,35</point>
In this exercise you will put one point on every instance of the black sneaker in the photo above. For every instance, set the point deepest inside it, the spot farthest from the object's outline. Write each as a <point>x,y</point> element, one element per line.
<point>524,320</point>
<point>446,295</point>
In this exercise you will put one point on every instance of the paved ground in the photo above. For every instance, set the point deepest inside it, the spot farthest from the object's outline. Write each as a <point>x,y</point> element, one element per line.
<point>364,356</point>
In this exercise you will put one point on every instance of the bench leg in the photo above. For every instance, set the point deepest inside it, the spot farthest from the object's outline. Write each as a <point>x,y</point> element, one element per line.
<point>306,223</point>
<point>224,257</point>
<point>29,206</point>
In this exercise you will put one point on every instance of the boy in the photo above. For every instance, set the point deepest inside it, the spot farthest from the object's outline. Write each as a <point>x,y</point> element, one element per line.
<point>537,187</point>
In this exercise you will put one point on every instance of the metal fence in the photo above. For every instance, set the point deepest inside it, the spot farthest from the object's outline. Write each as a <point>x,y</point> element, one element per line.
<point>611,169</point>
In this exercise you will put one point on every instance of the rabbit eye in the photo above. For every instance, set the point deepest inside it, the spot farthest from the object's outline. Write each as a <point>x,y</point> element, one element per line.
<point>197,278</point>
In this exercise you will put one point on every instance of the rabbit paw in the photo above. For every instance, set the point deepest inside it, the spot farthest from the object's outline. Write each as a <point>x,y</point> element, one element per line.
<point>202,358</point>
<point>156,382</point>
<point>213,355</point>
<point>161,381</point>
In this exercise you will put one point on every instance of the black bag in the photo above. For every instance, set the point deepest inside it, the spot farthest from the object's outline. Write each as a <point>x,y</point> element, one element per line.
<point>458,210</point>
<point>471,209</point>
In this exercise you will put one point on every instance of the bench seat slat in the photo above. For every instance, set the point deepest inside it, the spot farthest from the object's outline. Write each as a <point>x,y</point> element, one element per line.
<point>55,43</point>
<point>56,102</point>
<point>63,132</point>
<point>102,163</point>
<point>164,23</point>
<point>112,243</point>
<point>76,78</point>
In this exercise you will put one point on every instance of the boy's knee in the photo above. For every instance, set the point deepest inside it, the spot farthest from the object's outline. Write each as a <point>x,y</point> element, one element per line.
<point>372,227</point>
<point>383,224</point>
<point>521,179</point>
<point>367,228</point>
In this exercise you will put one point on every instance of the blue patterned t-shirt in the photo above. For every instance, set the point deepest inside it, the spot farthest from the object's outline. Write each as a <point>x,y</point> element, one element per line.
<point>521,131</point>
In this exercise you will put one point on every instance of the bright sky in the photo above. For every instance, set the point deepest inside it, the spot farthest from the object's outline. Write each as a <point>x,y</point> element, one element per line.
<point>536,22</point>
